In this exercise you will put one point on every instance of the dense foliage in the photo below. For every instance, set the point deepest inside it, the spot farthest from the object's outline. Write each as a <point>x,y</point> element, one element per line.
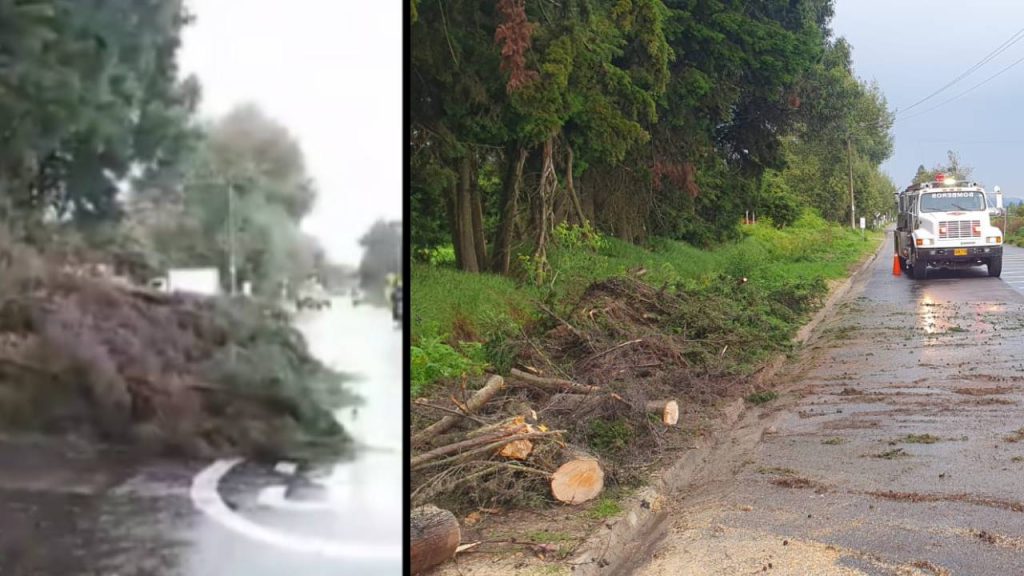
<point>89,96</point>
<point>670,118</point>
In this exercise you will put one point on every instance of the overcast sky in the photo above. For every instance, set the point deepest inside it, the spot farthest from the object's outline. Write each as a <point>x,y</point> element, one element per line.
<point>914,47</point>
<point>329,70</point>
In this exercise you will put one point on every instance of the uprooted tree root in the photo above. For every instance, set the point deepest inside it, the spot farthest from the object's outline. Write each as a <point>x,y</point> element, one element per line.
<point>625,346</point>
<point>170,373</point>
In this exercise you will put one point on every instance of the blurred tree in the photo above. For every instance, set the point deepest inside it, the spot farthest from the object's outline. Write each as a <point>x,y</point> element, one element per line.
<point>89,96</point>
<point>248,170</point>
<point>382,254</point>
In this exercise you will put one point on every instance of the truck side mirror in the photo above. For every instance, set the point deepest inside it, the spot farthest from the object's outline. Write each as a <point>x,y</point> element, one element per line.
<point>999,197</point>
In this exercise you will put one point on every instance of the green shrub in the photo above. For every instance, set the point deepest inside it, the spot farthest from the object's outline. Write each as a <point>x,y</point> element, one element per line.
<point>433,360</point>
<point>610,437</point>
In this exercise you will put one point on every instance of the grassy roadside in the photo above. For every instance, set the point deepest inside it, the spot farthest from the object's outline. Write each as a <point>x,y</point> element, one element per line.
<point>459,321</point>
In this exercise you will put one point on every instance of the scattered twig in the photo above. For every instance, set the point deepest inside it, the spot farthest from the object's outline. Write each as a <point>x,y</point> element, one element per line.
<point>553,384</point>
<point>566,323</point>
<point>593,357</point>
<point>420,461</point>
<point>450,411</point>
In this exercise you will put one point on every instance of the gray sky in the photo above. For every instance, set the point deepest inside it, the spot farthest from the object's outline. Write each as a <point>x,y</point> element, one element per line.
<point>914,47</point>
<point>329,70</point>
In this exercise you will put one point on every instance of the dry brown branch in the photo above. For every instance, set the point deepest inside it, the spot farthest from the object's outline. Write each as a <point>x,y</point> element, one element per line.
<point>554,384</point>
<point>473,447</point>
<point>424,404</point>
<point>494,385</point>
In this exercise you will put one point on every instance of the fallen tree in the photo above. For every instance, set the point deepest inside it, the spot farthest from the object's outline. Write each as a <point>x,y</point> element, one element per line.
<point>170,373</point>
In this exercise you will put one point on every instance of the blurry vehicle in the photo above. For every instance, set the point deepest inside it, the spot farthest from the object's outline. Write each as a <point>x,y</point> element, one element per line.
<point>357,296</point>
<point>312,296</point>
<point>397,297</point>
<point>202,281</point>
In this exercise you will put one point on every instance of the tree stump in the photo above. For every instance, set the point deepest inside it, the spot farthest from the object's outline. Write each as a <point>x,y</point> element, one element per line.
<point>579,479</point>
<point>667,409</point>
<point>434,537</point>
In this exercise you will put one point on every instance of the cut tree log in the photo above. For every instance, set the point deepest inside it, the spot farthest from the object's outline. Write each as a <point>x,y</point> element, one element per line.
<point>482,396</point>
<point>553,384</point>
<point>434,537</point>
<point>579,479</point>
<point>667,409</point>
<point>517,449</point>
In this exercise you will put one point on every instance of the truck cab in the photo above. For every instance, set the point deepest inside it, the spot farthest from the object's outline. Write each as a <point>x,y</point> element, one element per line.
<point>945,224</point>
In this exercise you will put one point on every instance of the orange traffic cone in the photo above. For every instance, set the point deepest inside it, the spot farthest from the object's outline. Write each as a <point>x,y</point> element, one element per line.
<point>895,264</point>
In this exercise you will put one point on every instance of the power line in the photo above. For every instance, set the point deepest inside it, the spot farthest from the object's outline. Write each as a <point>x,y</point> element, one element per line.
<point>965,92</point>
<point>1016,37</point>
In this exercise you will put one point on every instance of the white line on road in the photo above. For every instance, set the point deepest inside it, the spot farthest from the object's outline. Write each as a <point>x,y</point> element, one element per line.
<point>206,498</point>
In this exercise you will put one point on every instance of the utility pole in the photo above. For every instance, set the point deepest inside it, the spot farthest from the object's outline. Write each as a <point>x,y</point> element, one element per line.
<point>232,270</point>
<point>849,159</point>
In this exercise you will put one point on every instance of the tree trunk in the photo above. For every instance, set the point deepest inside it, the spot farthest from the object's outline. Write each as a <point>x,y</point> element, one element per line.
<point>477,216</point>
<point>434,537</point>
<point>579,479</point>
<point>464,216</point>
<point>482,396</point>
<point>453,223</point>
<point>516,160</point>
<point>571,188</point>
<point>545,193</point>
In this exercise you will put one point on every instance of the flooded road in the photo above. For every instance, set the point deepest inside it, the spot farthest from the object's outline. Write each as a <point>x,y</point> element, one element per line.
<point>896,446</point>
<point>64,510</point>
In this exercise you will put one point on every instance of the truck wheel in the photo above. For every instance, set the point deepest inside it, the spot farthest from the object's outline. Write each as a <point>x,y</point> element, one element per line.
<point>995,266</point>
<point>920,270</point>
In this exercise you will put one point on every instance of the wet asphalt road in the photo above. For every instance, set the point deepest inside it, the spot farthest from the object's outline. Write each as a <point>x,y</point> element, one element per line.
<point>893,449</point>
<point>1013,267</point>
<point>65,512</point>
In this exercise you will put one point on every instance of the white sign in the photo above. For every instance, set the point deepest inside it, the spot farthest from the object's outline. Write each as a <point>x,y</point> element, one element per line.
<point>862,224</point>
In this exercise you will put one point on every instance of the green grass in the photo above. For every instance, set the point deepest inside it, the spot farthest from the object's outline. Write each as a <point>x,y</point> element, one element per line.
<point>545,537</point>
<point>786,270</point>
<point>833,441</point>
<point>605,508</point>
<point>759,398</point>
<point>892,454</point>
<point>919,439</point>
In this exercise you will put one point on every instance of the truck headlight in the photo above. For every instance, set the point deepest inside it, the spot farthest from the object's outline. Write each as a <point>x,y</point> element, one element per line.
<point>994,240</point>
<point>925,242</point>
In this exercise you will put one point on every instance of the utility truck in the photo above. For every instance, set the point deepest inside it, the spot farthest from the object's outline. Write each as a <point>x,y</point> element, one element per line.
<point>945,224</point>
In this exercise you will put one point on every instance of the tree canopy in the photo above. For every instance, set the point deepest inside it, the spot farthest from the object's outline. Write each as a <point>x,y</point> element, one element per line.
<point>89,96</point>
<point>640,117</point>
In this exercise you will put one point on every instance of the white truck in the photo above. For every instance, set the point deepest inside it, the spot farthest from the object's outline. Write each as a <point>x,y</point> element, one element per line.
<point>945,224</point>
<point>201,281</point>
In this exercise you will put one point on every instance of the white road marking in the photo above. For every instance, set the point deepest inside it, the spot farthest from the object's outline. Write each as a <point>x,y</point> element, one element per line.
<point>206,498</point>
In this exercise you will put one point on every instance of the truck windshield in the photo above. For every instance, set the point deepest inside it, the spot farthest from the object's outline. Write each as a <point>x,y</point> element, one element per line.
<point>952,201</point>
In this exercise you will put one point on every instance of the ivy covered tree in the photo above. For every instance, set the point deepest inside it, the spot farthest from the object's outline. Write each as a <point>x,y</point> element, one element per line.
<point>640,117</point>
